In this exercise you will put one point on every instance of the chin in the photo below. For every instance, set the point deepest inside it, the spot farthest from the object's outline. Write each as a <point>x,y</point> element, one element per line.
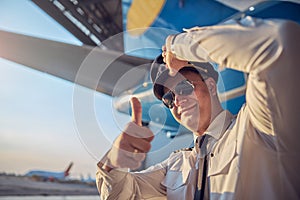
<point>191,124</point>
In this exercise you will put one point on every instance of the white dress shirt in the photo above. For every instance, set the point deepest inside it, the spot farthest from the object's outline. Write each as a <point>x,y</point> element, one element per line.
<point>253,156</point>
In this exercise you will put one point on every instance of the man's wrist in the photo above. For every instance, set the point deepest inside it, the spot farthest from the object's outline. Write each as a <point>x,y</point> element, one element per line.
<point>104,163</point>
<point>169,41</point>
<point>104,166</point>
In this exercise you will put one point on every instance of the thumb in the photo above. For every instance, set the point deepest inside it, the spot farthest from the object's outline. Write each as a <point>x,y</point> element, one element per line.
<point>136,107</point>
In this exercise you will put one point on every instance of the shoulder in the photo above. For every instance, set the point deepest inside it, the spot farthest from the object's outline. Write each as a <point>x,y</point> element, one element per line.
<point>180,158</point>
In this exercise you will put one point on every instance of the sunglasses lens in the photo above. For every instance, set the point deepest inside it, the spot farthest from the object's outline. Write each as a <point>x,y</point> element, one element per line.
<point>168,99</point>
<point>184,88</point>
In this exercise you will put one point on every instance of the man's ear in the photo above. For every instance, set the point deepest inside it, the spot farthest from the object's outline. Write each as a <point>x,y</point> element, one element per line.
<point>211,85</point>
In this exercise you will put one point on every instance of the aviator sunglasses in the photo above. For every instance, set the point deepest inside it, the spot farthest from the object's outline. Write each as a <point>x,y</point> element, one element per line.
<point>185,87</point>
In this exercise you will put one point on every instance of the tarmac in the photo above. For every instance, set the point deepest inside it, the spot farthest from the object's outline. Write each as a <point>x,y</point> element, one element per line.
<point>23,186</point>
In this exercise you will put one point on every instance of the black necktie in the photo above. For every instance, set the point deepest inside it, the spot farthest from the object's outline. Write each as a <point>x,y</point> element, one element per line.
<point>199,195</point>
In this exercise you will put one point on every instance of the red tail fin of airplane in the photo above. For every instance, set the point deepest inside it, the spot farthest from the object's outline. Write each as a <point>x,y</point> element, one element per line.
<point>68,169</point>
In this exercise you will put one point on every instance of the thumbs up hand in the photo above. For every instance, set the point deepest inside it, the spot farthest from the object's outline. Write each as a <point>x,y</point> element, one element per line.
<point>131,146</point>
<point>136,106</point>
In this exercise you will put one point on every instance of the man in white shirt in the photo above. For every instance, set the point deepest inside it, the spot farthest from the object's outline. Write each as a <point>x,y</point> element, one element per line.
<point>252,156</point>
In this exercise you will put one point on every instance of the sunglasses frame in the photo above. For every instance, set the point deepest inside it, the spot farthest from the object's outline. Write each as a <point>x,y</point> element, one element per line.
<point>169,97</point>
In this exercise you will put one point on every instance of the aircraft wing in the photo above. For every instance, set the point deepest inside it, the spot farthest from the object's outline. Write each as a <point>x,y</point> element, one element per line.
<point>88,66</point>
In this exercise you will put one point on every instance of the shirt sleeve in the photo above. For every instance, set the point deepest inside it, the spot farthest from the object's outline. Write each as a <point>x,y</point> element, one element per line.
<point>118,184</point>
<point>243,45</point>
<point>264,49</point>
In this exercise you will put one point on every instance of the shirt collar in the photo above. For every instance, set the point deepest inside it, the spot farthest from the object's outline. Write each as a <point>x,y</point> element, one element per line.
<point>218,125</point>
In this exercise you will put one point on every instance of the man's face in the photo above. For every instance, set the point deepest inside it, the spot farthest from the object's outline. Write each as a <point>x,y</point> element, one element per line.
<point>194,110</point>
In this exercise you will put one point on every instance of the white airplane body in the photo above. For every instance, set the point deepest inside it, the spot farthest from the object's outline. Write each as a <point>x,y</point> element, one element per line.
<point>48,175</point>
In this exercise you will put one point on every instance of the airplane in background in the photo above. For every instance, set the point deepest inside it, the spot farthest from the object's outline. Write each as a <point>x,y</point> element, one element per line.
<point>121,74</point>
<point>48,175</point>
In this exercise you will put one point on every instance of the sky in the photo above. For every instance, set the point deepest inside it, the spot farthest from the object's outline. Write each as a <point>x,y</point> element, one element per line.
<point>38,126</point>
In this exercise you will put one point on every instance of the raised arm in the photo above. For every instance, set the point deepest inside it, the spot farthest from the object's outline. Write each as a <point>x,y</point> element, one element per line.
<point>244,45</point>
<point>265,49</point>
